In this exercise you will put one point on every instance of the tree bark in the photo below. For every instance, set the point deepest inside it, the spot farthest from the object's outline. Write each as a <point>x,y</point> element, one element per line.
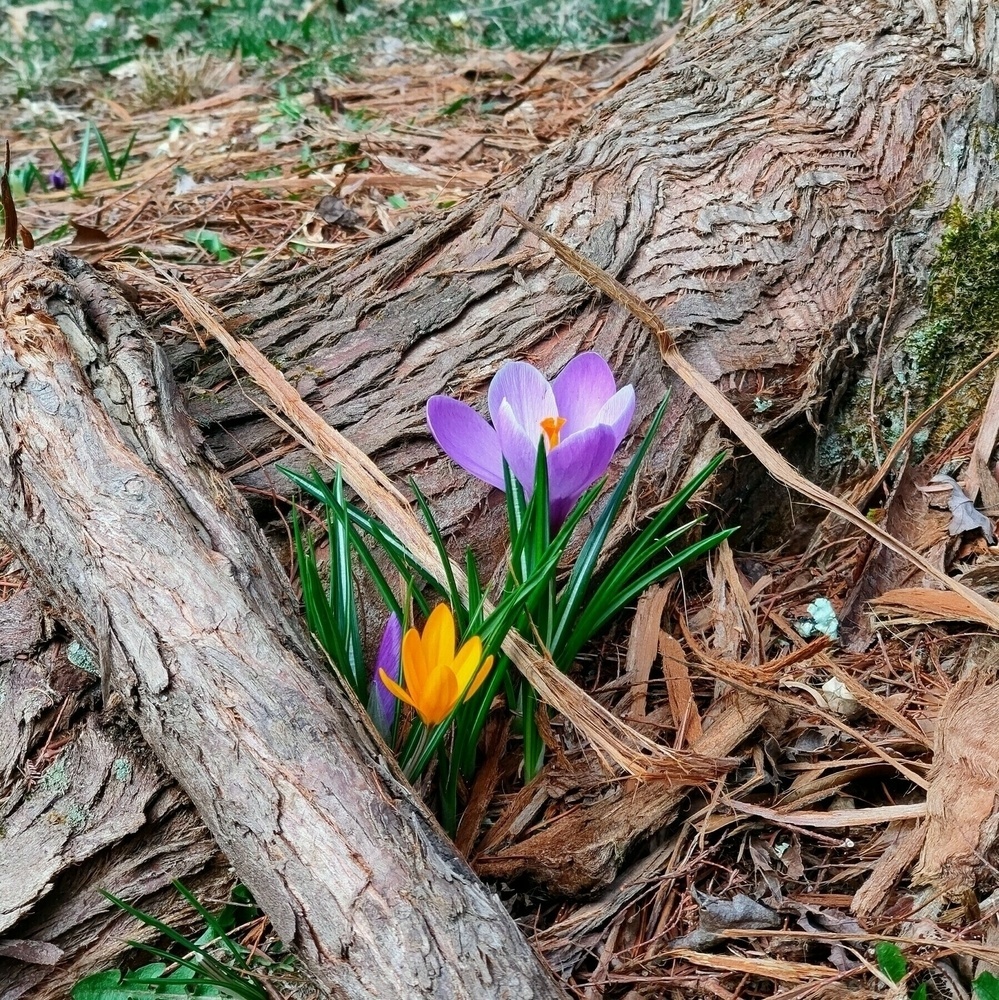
<point>146,549</point>
<point>776,187</point>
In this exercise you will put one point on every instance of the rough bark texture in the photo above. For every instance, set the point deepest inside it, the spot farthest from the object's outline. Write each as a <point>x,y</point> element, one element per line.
<point>766,187</point>
<point>85,808</point>
<point>110,502</point>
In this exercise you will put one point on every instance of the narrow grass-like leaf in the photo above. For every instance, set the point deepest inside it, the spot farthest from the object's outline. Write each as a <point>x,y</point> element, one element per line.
<point>605,606</point>
<point>478,712</point>
<point>397,553</point>
<point>67,167</point>
<point>633,564</point>
<point>228,983</point>
<point>342,592</point>
<point>121,160</point>
<point>359,546</point>
<point>454,595</point>
<point>210,962</point>
<point>540,522</point>
<point>516,515</point>
<point>237,952</point>
<point>109,164</point>
<point>318,613</point>
<point>475,595</point>
<point>586,562</point>
<point>386,541</point>
<point>80,171</point>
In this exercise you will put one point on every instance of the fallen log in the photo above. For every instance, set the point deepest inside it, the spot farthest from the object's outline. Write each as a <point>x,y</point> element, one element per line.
<point>115,508</point>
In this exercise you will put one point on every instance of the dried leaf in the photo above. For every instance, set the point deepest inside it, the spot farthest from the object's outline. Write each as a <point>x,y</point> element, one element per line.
<point>335,212</point>
<point>964,515</point>
<point>88,235</point>
<point>718,914</point>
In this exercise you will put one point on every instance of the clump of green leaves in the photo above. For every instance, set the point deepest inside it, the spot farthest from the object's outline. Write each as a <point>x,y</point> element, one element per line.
<point>214,964</point>
<point>555,605</point>
<point>576,611</point>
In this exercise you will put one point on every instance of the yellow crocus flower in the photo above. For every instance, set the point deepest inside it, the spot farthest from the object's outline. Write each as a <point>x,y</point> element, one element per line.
<point>435,676</point>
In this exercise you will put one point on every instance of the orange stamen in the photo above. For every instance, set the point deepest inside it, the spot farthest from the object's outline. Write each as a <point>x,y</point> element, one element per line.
<point>551,427</point>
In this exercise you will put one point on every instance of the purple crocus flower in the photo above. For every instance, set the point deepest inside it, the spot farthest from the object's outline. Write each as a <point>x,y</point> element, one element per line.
<point>582,417</point>
<point>382,704</point>
<point>57,180</point>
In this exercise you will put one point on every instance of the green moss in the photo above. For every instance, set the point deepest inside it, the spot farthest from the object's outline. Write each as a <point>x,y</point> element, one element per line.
<point>961,327</point>
<point>964,281</point>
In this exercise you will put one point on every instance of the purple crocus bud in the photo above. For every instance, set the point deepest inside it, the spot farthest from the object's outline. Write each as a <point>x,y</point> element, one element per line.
<point>57,180</point>
<point>382,704</point>
<point>582,417</point>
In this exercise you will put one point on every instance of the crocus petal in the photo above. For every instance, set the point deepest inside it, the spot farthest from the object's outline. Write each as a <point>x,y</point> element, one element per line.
<point>579,461</point>
<point>528,393</point>
<point>415,669</point>
<point>395,689</point>
<point>439,697</point>
<point>581,389</point>
<point>438,638</point>
<point>617,413</point>
<point>467,661</point>
<point>519,449</point>
<point>487,665</point>
<point>381,701</point>
<point>466,438</point>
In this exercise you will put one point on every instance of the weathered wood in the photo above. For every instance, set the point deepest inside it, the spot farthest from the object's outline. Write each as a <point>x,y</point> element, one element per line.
<point>776,187</point>
<point>111,503</point>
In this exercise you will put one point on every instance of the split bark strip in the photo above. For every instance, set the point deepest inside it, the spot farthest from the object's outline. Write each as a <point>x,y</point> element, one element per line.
<point>108,496</point>
<point>981,608</point>
<point>581,850</point>
<point>834,819</point>
<point>636,754</point>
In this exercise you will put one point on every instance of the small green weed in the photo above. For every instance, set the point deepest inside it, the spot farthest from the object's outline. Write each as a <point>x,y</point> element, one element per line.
<point>894,967</point>
<point>24,177</point>
<point>77,174</point>
<point>986,987</point>
<point>212,965</point>
<point>210,242</point>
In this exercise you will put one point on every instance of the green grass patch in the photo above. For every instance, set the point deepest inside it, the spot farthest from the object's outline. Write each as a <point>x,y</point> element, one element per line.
<point>42,46</point>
